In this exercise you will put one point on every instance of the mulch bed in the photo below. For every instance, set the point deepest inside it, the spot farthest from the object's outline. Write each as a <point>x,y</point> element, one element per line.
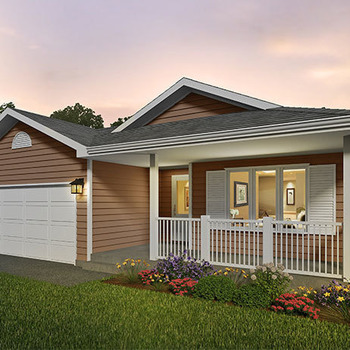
<point>326,314</point>
<point>120,281</point>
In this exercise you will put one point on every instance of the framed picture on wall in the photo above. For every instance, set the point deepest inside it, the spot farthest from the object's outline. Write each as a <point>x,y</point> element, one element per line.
<point>240,193</point>
<point>290,196</point>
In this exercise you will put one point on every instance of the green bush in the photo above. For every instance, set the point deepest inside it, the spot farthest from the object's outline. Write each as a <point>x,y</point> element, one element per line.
<point>252,295</point>
<point>220,288</point>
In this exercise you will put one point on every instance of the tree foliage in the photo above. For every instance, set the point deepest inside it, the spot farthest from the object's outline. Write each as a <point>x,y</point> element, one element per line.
<point>120,121</point>
<point>80,115</point>
<point>5,105</point>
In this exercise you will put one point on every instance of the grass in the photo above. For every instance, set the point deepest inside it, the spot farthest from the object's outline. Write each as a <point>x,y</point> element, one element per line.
<point>93,315</point>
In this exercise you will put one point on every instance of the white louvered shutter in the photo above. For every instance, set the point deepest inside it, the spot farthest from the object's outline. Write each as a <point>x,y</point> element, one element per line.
<point>322,193</point>
<point>216,194</point>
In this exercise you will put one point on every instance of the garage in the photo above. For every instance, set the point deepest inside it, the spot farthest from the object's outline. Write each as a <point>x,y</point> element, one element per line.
<point>38,222</point>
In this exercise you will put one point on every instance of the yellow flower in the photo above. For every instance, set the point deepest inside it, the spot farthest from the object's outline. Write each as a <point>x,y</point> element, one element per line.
<point>118,266</point>
<point>215,273</point>
<point>308,292</point>
<point>227,269</point>
<point>327,294</point>
<point>340,299</point>
<point>152,280</point>
<point>225,273</point>
<point>338,288</point>
<point>243,271</point>
<point>302,288</point>
<point>124,263</point>
<point>132,264</point>
<point>305,295</point>
<point>346,290</point>
<point>330,288</point>
<point>160,281</point>
<point>315,292</point>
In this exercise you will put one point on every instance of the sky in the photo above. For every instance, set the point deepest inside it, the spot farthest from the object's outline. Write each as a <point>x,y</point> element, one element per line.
<point>116,56</point>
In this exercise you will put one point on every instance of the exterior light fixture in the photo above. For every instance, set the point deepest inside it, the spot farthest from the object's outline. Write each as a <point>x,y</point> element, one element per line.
<point>77,186</point>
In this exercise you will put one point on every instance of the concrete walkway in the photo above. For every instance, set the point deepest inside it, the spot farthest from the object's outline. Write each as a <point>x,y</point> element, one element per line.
<point>57,273</point>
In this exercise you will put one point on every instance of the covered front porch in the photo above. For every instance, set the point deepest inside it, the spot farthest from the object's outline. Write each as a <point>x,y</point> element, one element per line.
<point>308,247</point>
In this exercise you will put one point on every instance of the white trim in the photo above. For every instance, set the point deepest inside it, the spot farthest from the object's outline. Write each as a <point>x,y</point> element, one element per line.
<point>153,205</point>
<point>89,208</point>
<point>37,185</point>
<point>54,134</point>
<point>202,87</point>
<point>253,133</point>
<point>190,172</point>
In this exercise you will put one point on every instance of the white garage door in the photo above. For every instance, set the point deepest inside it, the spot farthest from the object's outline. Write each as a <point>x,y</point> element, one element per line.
<point>38,222</point>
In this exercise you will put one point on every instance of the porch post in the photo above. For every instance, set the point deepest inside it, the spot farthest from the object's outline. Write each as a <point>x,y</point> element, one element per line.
<point>267,240</point>
<point>346,207</point>
<point>154,206</point>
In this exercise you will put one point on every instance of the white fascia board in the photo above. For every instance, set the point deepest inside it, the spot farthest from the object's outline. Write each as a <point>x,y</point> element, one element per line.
<point>301,127</point>
<point>196,85</point>
<point>81,149</point>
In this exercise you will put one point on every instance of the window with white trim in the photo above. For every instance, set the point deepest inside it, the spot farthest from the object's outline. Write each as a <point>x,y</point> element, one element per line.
<point>287,192</point>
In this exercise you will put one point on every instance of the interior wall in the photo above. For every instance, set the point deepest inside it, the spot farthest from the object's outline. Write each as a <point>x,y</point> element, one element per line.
<point>267,194</point>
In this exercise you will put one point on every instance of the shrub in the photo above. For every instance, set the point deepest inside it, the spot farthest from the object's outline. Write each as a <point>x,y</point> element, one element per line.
<point>220,288</point>
<point>271,279</point>
<point>236,275</point>
<point>291,304</point>
<point>130,268</point>
<point>251,295</point>
<point>184,266</point>
<point>337,297</point>
<point>182,286</point>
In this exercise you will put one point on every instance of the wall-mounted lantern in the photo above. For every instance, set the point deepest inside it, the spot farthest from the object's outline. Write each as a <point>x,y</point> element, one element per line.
<point>77,186</point>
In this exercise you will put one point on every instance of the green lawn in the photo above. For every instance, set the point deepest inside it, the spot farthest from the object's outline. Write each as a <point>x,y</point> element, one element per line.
<point>95,315</point>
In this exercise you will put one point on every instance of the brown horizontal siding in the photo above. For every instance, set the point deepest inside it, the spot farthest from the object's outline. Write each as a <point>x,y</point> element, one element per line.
<point>195,106</point>
<point>120,206</point>
<point>165,190</point>
<point>47,161</point>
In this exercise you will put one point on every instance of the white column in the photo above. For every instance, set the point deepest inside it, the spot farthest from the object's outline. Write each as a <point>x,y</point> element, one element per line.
<point>346,208</point>
<point>154,206</point>
<point>89,209</point>
<point>205,237</point>
<point>267,240</point>
<point>190,189</point>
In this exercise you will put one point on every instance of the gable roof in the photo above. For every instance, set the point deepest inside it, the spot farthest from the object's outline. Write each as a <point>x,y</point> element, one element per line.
<point>73,135</point>
<point>180,90</point>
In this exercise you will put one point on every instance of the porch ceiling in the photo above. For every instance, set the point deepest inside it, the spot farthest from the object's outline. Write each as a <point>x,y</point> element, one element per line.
<point>172,156</point>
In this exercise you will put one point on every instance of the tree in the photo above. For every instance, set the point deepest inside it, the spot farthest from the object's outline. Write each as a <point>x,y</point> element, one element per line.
<point>120,121</point>
<point>5,105</point>
<point>80,115</point>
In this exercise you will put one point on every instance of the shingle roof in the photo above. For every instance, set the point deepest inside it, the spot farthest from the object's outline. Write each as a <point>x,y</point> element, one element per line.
<point>232,121</point>
<point>79,133</point>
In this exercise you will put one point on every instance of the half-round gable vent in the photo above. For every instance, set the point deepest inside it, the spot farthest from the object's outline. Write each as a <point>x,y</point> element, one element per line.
<point>21,140</point>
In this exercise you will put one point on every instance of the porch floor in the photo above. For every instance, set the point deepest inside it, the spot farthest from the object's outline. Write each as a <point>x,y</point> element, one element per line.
<point>106,262</point>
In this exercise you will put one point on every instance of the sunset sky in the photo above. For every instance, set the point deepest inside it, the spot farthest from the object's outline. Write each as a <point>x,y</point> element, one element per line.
<point>115,56</point>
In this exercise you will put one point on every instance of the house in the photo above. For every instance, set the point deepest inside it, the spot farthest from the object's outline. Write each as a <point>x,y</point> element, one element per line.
<point>231,178</point>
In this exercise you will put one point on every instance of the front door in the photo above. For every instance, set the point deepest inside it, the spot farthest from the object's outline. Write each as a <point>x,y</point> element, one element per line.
<point>180,197</point>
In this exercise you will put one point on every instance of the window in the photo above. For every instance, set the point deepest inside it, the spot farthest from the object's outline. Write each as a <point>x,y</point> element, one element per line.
<point>265,197</point>
<point>278,192</point>
<point>294,194</point>
<point>239,195</point>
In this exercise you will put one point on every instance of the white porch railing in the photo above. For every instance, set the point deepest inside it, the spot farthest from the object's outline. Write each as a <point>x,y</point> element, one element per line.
<point>302,247</point>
